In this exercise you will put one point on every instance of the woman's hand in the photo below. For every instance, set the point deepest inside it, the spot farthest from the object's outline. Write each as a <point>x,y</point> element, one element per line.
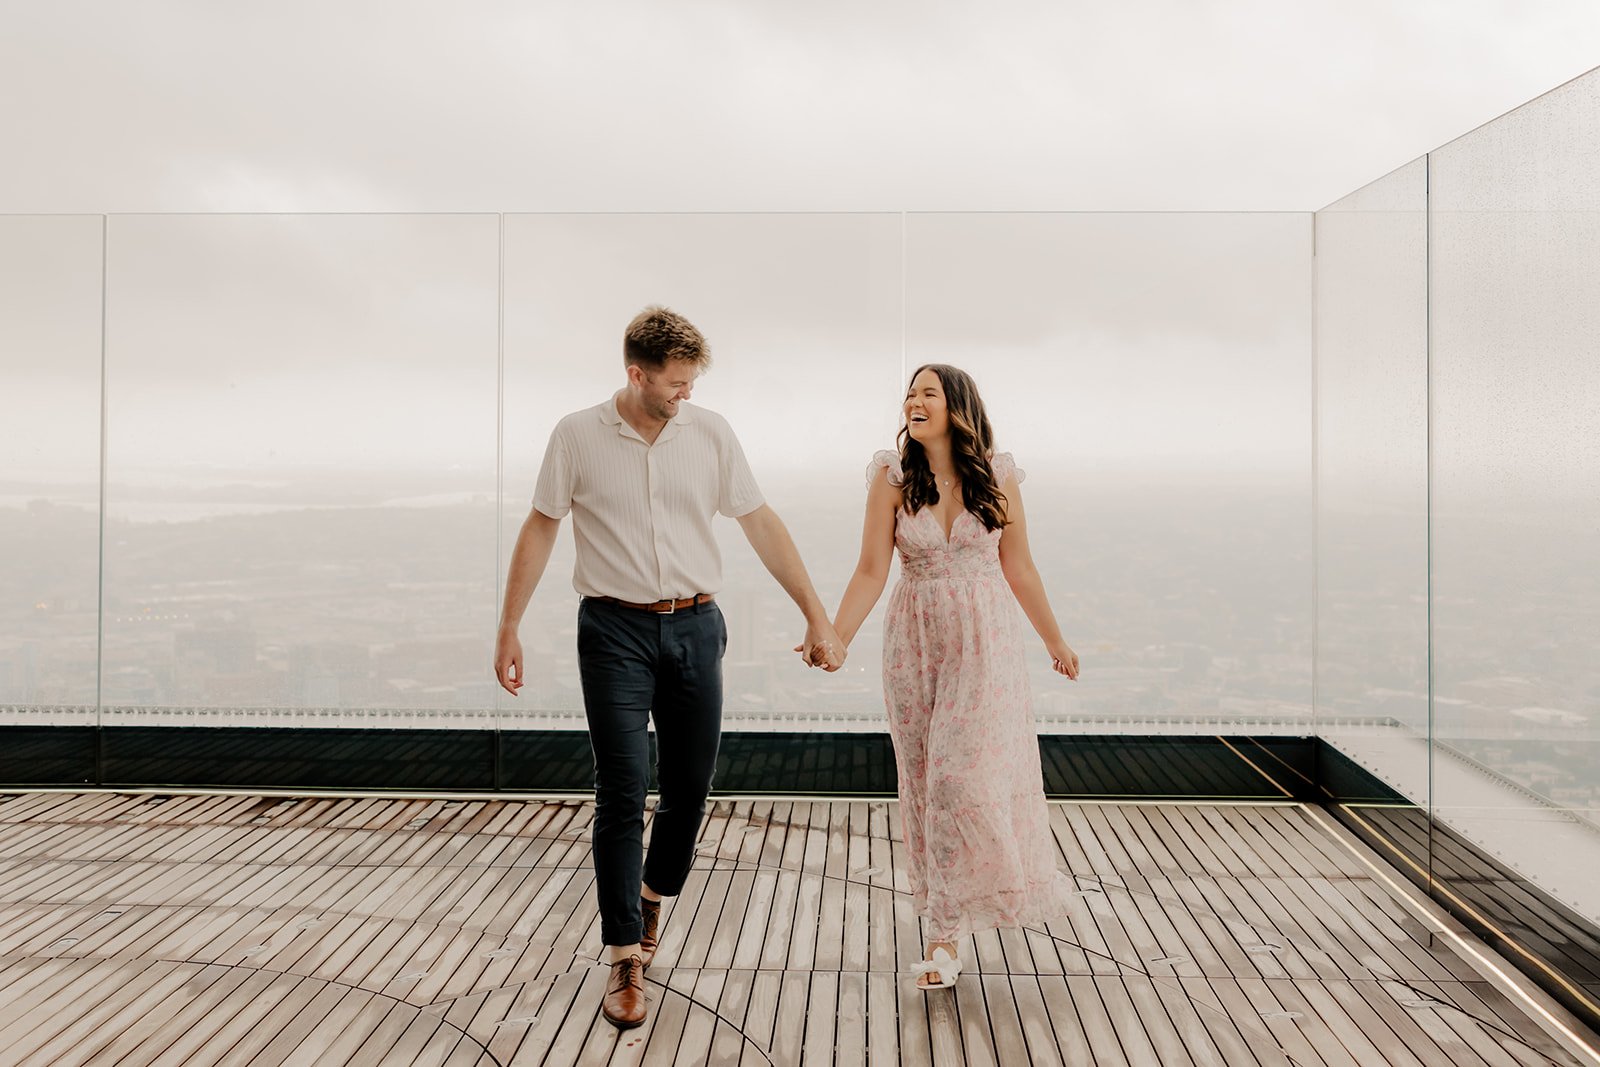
<point>824,654</point>
<point>1064,660</point>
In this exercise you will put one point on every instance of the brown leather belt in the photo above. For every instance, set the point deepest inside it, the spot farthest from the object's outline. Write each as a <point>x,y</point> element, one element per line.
<point>662,607</point>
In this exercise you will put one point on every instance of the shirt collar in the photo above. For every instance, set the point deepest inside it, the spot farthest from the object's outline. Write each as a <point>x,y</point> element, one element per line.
<point>612,417</point>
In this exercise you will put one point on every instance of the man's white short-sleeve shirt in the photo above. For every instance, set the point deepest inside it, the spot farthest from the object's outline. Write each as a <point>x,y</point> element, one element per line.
<point>641,513</point>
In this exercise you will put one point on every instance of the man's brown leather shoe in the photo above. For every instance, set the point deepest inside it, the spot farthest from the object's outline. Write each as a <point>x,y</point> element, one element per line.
<point>651,910</point>
<point>624,1005</point>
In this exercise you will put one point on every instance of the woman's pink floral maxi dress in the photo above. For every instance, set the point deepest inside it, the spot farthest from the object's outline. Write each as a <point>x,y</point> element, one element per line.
<point>971,795</point>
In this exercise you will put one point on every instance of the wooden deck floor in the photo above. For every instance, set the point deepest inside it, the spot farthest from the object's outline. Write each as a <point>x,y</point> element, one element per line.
<point>143,931</point>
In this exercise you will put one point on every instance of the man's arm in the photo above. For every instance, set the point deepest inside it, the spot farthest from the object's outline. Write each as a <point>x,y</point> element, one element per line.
<point>770,538</point>
<point>528,561</point>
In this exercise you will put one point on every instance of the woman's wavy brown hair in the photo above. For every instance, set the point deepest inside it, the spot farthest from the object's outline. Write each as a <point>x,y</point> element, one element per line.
<point>971,447</point>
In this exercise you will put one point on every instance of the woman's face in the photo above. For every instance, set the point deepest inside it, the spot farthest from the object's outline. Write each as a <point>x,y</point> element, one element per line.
<point>926,416</point>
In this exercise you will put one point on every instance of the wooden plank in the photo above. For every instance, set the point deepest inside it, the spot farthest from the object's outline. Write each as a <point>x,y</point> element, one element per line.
<point>944,1023</point>
<point>1093,1018</point>
<point>881,1042</point>
<point>1205,937</point>
<point>774,841</point>
<point>1293,1023</point>
<point>1371,1048</point>
<point>1005,1024</point>
<point>807,913</point>
<point>556,1045</point>
<point>728,1040</point>
<point>1238,1042</point>
<point>1035,1026</point>
<point>1287,929</point>
<point>856,944</point>
<point>376,1023</point>
<point>881,931</point>
<point>788,1032</point>
<point>18,975</point>
<point>1370,926</point>
<point>1158,1027</point>
<point>850,1029</point>
<point>908,947</point>
<point>422,1041</point>
<point>25,1023</point>
<point>1504,1023</point>
<point>837,864</point>
<point>1138,1044</point>
<point>828,951</point>
<point>822,1015</point>
<point>758,916</point>
<point>984,956</point>
<point>741,827</point>
<point>677,921</point>
<point>1328,931</point>
<point>468,1054</point>
<point>761,1016</point>
<point>738,909</point>
<point>815,858</point>
<point>572,993</point>
<point>455,971</point>
<point>352,890</point>
<point>704,928</point>
<point>1378,1007</point>
<point>92,1021</point>
<point>140,1042</point>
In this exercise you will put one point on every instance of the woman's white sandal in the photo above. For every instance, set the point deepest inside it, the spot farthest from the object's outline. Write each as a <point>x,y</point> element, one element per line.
<point>945,970</point>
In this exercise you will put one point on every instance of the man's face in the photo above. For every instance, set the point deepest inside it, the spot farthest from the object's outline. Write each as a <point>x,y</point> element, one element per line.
<point>661,390</point>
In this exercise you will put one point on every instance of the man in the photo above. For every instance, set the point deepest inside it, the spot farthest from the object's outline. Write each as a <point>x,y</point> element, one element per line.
<point>642,475</point>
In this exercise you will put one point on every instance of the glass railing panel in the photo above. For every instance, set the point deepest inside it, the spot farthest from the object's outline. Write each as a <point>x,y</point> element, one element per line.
<point>802,313</point>
<point>300,523</point>
<point>1514,271</point>
<point>1372,477</point>
<point>1152,374</point>
<point>50,286</point>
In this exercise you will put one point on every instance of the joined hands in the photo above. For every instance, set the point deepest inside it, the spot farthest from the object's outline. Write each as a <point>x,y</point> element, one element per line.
<point>822,648</point>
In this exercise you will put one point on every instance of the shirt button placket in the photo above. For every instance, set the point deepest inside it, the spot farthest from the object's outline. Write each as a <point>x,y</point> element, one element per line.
<point>657,519</point>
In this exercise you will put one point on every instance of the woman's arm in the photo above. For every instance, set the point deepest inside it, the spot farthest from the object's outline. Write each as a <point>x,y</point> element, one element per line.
<point>1017,564</point>
<point>877,550</point>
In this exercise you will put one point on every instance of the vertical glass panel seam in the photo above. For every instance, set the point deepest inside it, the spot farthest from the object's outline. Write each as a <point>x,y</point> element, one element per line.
<point>1428,425</point>
<point>1316,513</point>
<point>499,445</point>
<point>100,561</point>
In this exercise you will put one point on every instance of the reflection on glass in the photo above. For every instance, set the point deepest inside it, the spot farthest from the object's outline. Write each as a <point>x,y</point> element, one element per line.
<point>802,313</point>
<point>301,470</point>
<point>1514,272</point>
<point>1372,477</point>
<point>1151,373</point>
<point>49,467</point>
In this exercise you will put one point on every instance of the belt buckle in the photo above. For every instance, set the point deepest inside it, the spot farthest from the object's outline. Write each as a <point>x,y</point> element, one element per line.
<point>672,607</point>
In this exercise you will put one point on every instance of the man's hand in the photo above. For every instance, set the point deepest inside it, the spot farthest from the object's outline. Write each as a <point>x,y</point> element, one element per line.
<point>822,647</point>
<point>508,661</point>
<point>532,552</point>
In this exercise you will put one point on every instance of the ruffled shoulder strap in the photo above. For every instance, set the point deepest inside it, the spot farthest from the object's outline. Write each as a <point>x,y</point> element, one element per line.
<point>1005,466</point>
<point>886,458</point>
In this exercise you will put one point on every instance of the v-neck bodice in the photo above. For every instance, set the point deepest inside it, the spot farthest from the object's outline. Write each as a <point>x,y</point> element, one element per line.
<point>971,553</point>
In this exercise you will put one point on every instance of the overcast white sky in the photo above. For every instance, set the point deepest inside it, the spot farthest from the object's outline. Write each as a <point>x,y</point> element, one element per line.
<point>632,105</point>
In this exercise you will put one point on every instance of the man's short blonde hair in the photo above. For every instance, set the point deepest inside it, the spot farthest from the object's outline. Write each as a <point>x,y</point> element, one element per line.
<point>658,334</point>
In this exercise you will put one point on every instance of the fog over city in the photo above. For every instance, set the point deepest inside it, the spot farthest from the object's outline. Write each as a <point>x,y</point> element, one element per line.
<point>301,500</point>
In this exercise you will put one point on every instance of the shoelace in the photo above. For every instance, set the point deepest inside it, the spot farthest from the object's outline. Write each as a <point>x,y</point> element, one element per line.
<point>632,972</point>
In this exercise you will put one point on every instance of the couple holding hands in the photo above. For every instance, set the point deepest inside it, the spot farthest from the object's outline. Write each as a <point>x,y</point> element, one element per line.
<point>642,475</point>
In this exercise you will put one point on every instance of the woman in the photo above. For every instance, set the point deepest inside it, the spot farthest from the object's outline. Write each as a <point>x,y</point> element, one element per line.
<point>977,829</point>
